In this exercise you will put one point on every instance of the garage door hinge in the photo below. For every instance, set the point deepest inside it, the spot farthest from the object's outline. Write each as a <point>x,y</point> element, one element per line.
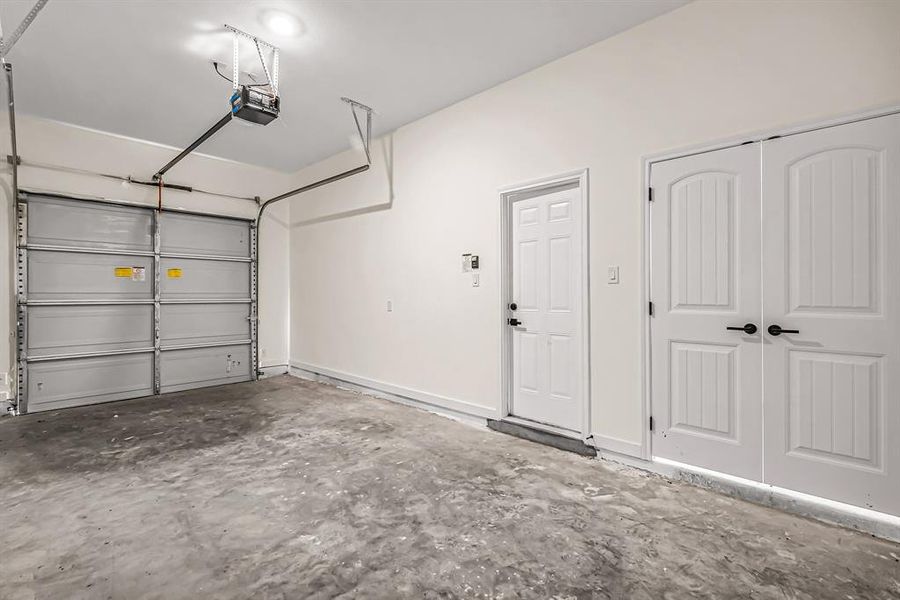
<point>649,194</point>
<point>650,308</point>
<point>651,423</point>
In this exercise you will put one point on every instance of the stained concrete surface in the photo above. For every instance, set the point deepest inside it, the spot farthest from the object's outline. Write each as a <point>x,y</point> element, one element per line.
<point>291,489</point>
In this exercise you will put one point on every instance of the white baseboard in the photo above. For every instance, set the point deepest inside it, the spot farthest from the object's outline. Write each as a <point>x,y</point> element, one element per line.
<point>603,444</point>
<point>451,407</point>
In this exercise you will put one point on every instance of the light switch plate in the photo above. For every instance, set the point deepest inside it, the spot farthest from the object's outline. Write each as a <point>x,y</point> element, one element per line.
<point>612,275</point>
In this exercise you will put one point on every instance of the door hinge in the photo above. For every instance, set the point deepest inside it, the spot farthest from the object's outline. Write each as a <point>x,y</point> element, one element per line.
<point>649,194</point>
<point>650,308</point>
<point>651,424</point>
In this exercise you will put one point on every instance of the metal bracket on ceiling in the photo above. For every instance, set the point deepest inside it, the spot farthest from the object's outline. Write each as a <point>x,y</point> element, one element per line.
<point>271,75</point>
<point>364,139</point>
<point>7,42</point>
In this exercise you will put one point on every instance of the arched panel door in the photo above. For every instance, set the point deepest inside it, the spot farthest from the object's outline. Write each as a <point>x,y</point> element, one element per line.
<point>705,284</point>
<point>831,260</point>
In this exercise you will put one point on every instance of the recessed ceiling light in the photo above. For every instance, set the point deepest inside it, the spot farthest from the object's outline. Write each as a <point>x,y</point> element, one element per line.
<point>281,23</point>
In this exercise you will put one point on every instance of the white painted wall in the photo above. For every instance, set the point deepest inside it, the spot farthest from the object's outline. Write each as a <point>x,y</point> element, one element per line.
<point>44,141</point>
<point>707,71</point>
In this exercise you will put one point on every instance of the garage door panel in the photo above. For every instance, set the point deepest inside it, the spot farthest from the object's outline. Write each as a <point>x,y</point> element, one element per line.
<point>63,222</point>
<point>55,330</point>
<point>200,367</point>
<point>208,236</point>
<point>60,384</point>
<point>123,301</point>
<point>184,324</point>
<point>74,275</point>
<point>200,279</point>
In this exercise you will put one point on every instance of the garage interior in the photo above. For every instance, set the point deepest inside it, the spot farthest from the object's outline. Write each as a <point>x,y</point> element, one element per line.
<point>605,310</point>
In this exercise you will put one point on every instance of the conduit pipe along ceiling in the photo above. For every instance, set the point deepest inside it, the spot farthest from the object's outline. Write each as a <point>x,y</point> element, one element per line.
<point>256,103</point>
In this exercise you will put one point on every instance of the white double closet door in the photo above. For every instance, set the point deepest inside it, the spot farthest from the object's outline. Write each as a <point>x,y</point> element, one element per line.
<point>800,233</point>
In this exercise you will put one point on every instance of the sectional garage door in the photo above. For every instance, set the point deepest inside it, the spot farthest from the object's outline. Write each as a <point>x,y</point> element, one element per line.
<point>120,301</point>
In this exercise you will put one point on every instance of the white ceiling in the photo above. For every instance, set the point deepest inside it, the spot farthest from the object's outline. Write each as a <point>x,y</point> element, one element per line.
<point>143,68</point>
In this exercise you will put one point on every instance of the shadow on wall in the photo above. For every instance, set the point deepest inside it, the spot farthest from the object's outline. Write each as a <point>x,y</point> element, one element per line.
<point>387,151</point>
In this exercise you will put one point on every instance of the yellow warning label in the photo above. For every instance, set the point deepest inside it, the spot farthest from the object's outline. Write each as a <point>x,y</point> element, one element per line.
<point>124,272</point>
<point>174,273</point>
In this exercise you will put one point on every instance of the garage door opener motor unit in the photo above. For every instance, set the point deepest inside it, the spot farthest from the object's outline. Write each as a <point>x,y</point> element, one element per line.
<point>254,105</point>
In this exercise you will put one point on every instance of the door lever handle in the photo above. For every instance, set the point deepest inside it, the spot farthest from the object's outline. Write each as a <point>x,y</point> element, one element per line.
<point>514,322</point>
<point>776,330</point>
<point>749,328</point>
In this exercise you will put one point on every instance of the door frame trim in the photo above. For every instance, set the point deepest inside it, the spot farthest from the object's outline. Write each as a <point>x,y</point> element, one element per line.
<point>506,193</point>
<point>647,161</point>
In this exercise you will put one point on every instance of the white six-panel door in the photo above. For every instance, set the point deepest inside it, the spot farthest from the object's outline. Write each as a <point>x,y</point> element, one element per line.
<point>815,405</point>
<point>831,258</point>
<point>706,379</point>
<point>547,263</point>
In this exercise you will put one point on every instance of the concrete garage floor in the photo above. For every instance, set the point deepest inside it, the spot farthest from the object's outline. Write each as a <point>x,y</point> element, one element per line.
<point>290,489</point>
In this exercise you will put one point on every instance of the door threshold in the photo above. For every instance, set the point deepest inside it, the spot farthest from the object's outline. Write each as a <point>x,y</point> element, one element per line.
<point>535,432</point>
<point>545,427</point>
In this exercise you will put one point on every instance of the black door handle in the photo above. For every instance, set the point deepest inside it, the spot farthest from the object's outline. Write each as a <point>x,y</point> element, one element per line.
<point>514,322</point>
<point>749,328</point>
<point>776,330</point>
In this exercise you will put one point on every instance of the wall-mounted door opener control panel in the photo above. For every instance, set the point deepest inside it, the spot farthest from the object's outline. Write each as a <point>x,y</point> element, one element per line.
<point>470,264</point>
